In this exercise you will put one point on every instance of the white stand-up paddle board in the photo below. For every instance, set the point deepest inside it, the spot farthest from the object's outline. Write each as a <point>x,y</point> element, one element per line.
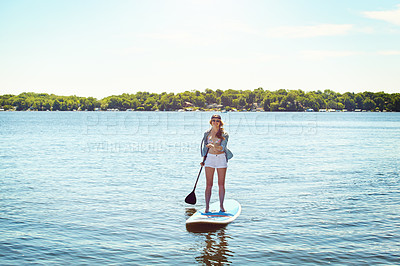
<point>215,216</point>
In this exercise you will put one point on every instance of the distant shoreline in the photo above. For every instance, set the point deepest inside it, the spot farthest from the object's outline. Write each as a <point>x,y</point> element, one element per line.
<point>203,111</point>
<point>258,100</point>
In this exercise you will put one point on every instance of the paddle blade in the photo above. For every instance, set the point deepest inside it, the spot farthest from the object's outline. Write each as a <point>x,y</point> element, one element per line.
<point>191,198</point>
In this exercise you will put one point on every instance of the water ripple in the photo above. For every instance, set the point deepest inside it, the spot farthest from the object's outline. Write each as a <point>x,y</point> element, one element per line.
<point>102,188</point>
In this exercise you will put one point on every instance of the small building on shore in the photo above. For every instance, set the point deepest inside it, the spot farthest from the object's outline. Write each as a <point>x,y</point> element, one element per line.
<point>188,104</point>
<point>214,106</point>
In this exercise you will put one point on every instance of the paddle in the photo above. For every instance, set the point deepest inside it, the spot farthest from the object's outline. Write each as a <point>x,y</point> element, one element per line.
<point>191,198</point>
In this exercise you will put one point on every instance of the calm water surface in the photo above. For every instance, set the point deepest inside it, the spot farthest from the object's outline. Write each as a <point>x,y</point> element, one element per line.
<point>109,188</point>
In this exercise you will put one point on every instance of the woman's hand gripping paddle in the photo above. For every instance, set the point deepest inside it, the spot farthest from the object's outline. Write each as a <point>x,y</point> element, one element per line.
<point>191,198</point>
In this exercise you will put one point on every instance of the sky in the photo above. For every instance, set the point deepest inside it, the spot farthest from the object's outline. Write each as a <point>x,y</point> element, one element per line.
<point>100,48</point>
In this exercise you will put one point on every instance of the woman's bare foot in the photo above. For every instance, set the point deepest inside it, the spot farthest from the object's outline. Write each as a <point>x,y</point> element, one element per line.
<point>222,209</point>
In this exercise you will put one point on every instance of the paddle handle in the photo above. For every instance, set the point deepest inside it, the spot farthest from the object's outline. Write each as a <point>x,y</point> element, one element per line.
<point>201,168</point>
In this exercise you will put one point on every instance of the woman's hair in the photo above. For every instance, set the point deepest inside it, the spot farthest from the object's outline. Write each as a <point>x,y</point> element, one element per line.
<point>221,124</point>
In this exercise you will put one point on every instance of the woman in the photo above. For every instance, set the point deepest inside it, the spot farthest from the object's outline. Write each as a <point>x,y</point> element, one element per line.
<point>217,155</point>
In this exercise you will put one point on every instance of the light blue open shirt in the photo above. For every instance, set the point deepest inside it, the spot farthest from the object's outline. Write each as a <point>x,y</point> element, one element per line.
<point>224,142</point>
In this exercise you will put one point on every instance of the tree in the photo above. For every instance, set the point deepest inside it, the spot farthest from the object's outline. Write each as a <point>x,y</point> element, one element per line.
<point>226,100</point>
<point>332,104</point>
<point>250,97</point>
<point>380,103</point>
<point>309,101</point>
<point>349,103</point>
<point>90,104</point>
<point>165,102</point>
<point>114,102</point>
<point>149,103</point>
<point>56,105</point>
<point>211,96</point>
<point>176,103</point>
<point>259,94</point>
<point>47,105</point>
<point>126,104</point>
<point>199,101</point>
<point>219,93</point>
<point>235,103</point>
<point>289,101</point>
<point>369,104</point>
<point>340,106</point>
<point>267,104</point>
<point>242,101</point>
<point>274,106</point>
<point>330,95</point>
<point>396,103</point>
<point>359,101</point>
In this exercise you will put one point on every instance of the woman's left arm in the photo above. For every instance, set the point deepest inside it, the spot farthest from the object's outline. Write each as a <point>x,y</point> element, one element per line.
<point>224,142</point>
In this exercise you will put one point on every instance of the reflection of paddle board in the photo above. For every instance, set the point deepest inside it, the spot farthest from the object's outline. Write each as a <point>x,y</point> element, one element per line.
<point>215,216</point>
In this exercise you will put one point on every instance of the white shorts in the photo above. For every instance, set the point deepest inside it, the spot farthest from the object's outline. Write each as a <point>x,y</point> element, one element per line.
<point>216,161</point>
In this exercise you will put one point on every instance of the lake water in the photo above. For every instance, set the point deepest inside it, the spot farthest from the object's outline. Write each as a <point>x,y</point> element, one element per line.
<point>109,188</point>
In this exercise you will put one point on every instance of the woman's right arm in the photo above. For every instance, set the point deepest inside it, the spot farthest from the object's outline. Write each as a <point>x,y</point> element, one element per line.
<point>203,144</point>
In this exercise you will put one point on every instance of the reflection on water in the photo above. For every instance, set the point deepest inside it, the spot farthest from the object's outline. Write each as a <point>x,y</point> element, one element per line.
<point>214,242</point>
<point>216,249</point>
<point>189,212</point>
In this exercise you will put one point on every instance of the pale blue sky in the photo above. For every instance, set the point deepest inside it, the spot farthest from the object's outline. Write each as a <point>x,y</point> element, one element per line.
<point>100,48</point>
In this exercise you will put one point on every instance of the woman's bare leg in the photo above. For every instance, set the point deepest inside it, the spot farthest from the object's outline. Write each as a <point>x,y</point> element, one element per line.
<point>209,179</point>
<point>221,186</point>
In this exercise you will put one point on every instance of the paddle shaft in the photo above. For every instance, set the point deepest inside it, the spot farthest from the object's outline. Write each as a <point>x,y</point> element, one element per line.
<point>204,159</point>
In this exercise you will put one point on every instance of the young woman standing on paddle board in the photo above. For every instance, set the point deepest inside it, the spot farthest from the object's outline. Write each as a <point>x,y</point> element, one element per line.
<point>217,155</point>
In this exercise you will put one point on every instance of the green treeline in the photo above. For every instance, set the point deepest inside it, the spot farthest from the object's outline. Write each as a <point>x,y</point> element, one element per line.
<point>260,99</point>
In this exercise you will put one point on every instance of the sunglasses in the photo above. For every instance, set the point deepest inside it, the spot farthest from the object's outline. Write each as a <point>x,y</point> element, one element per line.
<point>216,120</point>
